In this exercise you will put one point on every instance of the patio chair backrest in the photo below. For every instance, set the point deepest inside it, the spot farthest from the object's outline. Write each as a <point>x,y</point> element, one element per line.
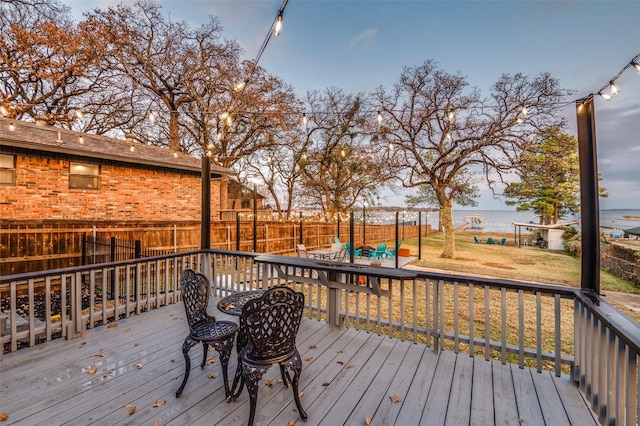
<point>271,323</point>
<point>194,288</point>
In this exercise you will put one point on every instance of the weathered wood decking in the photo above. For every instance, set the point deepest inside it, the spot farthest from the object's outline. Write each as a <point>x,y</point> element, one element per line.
<point>347,377</point>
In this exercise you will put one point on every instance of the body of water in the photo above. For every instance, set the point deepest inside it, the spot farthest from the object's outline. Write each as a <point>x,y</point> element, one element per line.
<point>612,221</point>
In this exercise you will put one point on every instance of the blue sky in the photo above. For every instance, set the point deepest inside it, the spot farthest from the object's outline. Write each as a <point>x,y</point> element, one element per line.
<point>359,45</point>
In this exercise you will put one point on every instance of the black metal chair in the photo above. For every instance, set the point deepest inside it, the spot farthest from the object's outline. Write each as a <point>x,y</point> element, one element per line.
<point>269,326</point>
<point>204,328</point>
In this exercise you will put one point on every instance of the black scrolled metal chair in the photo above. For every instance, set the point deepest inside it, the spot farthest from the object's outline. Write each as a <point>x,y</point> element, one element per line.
<point>269,326</point>
<point>204,328</point>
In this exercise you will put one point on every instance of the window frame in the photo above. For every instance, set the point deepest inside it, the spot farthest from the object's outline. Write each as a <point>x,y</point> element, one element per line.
<point>80,181</point>
<point>8,170</point>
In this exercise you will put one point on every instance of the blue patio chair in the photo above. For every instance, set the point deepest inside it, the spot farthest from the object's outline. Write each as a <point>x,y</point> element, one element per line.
<point>502,241</point>
<point>356,252</point>
<point>392,252</point>
<point>381,250</point>
<point>490,240</point>
<point>476,240</point>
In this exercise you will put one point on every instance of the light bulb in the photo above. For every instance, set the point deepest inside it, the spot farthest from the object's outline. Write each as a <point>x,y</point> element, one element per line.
<point>390,146</point>
<point>343,152</point>
<point>379,117</point>
<point>304,119</point>
<point>132,148</point>
<point>524,111</point>
<point>278,27</point>
<point>605,96</point>
<point>152,118</point>
<point>238,87</point>
<point>614,89</point>
<point>636,66</point>
<point>449,136</point>
<point>81,139</point>
<point>11,127</point>
<point>451,115</point>
<point>78,113</point>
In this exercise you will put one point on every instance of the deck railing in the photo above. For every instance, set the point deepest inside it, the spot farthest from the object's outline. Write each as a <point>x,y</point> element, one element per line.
<point>545,327</point>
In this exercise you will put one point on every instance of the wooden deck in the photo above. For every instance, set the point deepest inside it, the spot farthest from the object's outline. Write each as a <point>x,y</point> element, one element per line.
<point>347,377</point>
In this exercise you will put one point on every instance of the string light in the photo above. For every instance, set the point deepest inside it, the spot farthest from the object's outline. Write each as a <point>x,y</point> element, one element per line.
<point>78,113</point>
<point>379,118</point>
<point>278,27</point>
<point>451,115</point>
<point>304,119</point>
<point>12,127</point>
<point>132,148</point>
<point>81,140</point>
<point>152,118</point>
<point>525,111</point>
<point>611,85</point>
<point>4,111</point>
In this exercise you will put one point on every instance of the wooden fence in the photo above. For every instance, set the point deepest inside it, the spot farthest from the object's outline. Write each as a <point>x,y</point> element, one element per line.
<point>28,246</point>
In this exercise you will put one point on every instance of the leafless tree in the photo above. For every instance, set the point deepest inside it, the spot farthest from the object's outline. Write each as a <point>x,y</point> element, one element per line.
<point>450,138</point>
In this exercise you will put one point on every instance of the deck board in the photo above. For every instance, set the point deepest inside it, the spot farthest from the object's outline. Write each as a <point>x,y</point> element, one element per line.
<point>347,376</point>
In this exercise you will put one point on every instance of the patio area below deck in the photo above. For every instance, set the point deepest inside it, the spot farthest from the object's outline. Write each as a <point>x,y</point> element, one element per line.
<point>347,377</point>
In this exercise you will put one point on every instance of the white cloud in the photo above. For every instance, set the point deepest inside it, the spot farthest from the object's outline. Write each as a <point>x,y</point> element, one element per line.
<point>365,36</point>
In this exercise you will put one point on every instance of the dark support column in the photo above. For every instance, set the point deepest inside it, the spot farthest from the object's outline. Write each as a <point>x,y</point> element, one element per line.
<point>420,235</point>
<point>352,234</point>
<point>205,222</point>
<point>589,208</point>
<point>237,232</point>
<point>301,238</point>
<point>364,225</point>
<point>255,219</point>
<point>397,254</point>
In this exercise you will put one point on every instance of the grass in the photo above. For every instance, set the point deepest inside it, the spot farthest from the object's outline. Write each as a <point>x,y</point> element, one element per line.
<point>526,264</point>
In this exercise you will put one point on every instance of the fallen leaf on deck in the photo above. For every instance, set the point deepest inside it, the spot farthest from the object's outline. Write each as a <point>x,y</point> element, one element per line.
<point>313,347</point>
<point>156,423</point>
<point>291,423</point>
<point>173,360</point>
<point>159,403</point>
<point>521,420</point>
<point>41,348</point>
<point>325,384</point>
<point>210,376</point>
<point>135,345</point>
<point>127,405</point>
<point>279,381</point>
<point>340,362</point>
<point>268,383</point>
<point>300,394</point>
<point>349,366</point>
<point>83,343</point>
<point>3,417</point>
<point>112,325</point>
<point>395,398</point>
<point>138,365</point>
<point>127,330</point>
<point>211,360</point>
<point>101,355</point>
<point>340,351</point>
<point>92,370</point>
<point>132,411</point>
<point>107,374</point>
<point>309,358</point>
<point>367,421</point>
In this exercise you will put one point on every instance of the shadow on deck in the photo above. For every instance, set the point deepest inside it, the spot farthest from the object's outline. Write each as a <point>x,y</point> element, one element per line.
<point>347,377</point>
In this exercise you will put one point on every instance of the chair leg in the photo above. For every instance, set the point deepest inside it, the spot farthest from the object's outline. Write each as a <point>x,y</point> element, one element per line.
<point>295,364</point>
<point>224,348</point>
<point>186,346</point>
<point>205,349</point>
<point>252,375</point>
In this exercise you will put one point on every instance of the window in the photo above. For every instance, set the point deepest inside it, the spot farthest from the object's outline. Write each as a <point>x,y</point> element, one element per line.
<point>84,176</point>
<point>7,169</point>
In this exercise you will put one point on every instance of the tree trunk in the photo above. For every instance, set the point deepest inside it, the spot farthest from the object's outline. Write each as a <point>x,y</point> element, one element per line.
<point>446,219</point>
<point>174,138</point>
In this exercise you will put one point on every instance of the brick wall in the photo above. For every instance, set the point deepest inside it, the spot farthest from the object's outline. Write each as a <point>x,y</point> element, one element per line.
<point>154,194</point>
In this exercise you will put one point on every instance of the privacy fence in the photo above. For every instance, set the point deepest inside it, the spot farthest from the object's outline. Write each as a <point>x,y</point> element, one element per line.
<point>28,246</point>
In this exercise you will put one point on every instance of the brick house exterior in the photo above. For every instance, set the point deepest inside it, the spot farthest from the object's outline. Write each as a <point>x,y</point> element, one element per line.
<point>52,173</point>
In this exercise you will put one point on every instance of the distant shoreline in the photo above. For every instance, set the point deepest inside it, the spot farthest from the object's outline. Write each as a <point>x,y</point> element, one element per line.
<point>631,218</point>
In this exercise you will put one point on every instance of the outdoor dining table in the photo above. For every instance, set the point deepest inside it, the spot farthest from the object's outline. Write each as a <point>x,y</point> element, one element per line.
<point>323,253</point>
<point>234,303</point>
<point>334,275</point>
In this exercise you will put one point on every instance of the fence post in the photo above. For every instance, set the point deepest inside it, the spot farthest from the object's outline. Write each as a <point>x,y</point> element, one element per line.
<point>237,232</point>
<point>84,249</point>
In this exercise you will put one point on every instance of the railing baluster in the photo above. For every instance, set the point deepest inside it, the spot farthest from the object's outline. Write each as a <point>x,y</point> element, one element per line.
<point>487,326</point>
<point>538,332</point>
<point>414,294</point>
<point>47,308</point>
<point>503,319</point>
<point>520,329</point>
<point>456,329</point>
<point>402,308</point>
<point>471,322</point>
<point>558,340</point>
